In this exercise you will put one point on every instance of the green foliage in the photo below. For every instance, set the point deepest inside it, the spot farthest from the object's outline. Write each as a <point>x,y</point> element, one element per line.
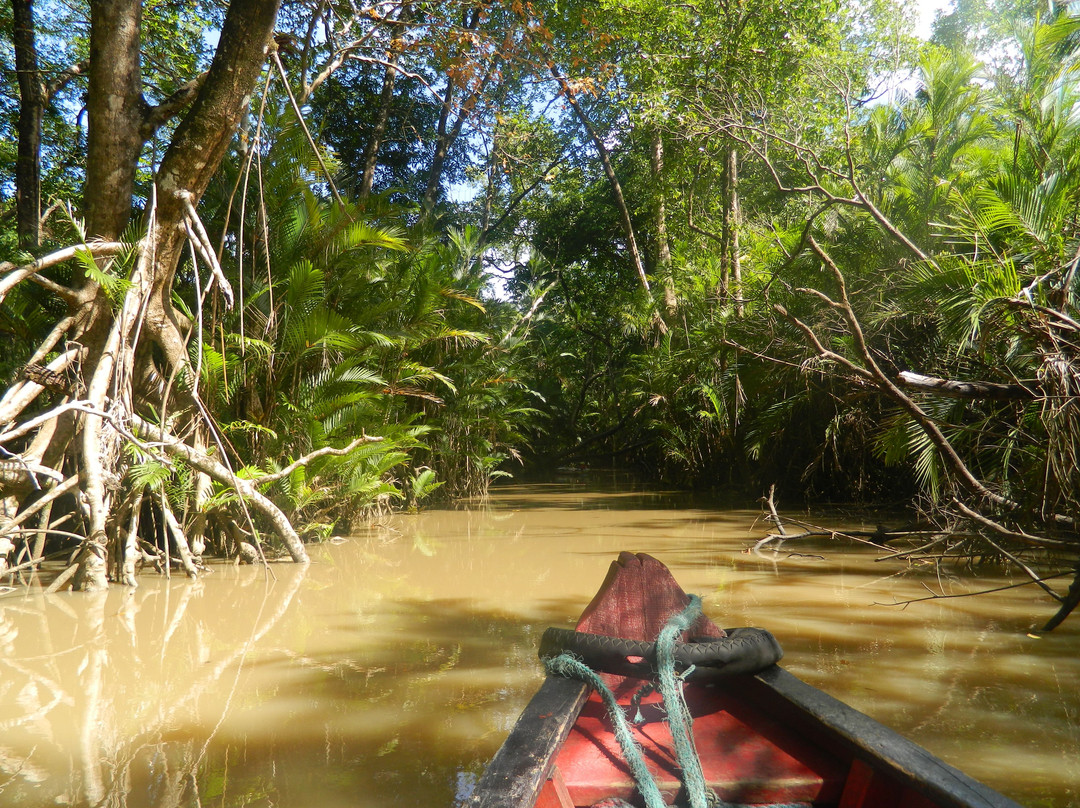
<point>423,485</point>
<point>945,130</point>
<point>114,284</point>
<point>950,210</point>
<point>973,172</point>
<point>174,51</point>
<point>350,325</point>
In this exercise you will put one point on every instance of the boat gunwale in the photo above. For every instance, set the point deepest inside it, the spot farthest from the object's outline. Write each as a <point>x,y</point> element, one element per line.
<point>867,740</point>
<point>517,773</point>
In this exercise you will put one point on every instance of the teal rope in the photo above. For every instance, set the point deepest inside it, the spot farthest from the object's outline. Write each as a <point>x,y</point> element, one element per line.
<point>678,714</point>
<point>571,667</point>
<point>680,721</point>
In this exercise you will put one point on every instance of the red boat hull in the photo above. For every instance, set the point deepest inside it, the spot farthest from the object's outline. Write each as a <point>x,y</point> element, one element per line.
<point>765,739</point>
<point>749,759</point>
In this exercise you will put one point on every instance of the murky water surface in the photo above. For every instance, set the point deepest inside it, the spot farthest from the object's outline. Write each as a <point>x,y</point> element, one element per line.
<point>388,672</point>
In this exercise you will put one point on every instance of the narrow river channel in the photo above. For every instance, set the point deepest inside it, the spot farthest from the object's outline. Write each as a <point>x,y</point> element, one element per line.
<point>389,671</point>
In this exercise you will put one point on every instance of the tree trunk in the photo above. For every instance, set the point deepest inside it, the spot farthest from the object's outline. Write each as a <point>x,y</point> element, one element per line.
<point>725,233</point>
<point>663,247</point>
<point>110,345</point>
<point>196,151</point>
<point>115,111</point>
<point>446,138</point>
<point>442,148</point>
<point>31,111</point>
<point>609,171</point>
<point>448,134</point>
<point>733,244</point>
<point>371,153</point>
<point>386,100</point>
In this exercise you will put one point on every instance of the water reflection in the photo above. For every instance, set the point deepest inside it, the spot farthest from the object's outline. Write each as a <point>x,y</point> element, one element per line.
<point>95,683</point>
<point>390,670</point>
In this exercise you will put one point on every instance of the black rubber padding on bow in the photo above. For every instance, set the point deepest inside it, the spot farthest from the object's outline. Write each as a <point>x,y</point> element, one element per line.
<point>744,650</point>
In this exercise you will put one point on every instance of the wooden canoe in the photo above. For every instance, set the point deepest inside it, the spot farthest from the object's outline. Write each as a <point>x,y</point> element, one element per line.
<point>765,738</point>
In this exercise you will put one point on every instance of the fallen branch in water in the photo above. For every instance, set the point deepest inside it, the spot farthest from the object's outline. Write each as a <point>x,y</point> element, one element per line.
<point>874,538</point>
<point>942,596</point>
<point>969,536</point>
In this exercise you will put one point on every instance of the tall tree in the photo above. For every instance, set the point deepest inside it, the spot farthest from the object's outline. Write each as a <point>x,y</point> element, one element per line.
<point>386,96</point>
<point>129,343</point>
<point>31,111</point>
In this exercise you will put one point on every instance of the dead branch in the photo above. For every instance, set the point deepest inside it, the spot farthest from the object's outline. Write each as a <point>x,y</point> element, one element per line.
<point>815,169</point>
<point>911,552</point>
<point>974,390</point>
<point>245,488</point>
<point>773,517</point>
<point>1027,570</point>
<point>1023,538</point>
<point>1060,318</point>
<point>17,471</point>
<point>874,538</point>
<point>959,468</point>
<point>303,461</point>
<point>823,352</point>
<point>16,274</point>
<point>1004,588</point>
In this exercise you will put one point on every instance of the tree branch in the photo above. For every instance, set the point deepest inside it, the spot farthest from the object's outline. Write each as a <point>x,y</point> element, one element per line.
<point>70,484</point>
<point>245,488</point>
<point>303,461</point>
<point>517,200</point>
<point>823,352</point>
<point>1023,538</point>
<point>20,395</point>
<point>974,594</point>
<point>609,170</point>
<point>967,390</point>
<point>952,459</point>
<point>16,274</point>
<point>307,132</point>
<point>156,116</point>
<point>62,78</point>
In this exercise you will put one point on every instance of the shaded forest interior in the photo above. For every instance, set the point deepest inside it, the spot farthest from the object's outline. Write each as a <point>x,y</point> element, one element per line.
<point>275,268</point>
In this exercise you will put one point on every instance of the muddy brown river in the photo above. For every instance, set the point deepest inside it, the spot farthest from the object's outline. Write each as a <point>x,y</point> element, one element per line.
<point>389,671</point>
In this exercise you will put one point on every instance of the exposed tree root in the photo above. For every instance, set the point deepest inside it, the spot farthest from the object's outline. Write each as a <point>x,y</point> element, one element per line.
<point>94,424</point>
<point>118,358</point>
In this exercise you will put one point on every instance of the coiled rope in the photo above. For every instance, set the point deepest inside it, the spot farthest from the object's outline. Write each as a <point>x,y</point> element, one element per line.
<point>680,722</point>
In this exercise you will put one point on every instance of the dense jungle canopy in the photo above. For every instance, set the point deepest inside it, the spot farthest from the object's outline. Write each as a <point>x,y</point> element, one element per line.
<point>271,267</point>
